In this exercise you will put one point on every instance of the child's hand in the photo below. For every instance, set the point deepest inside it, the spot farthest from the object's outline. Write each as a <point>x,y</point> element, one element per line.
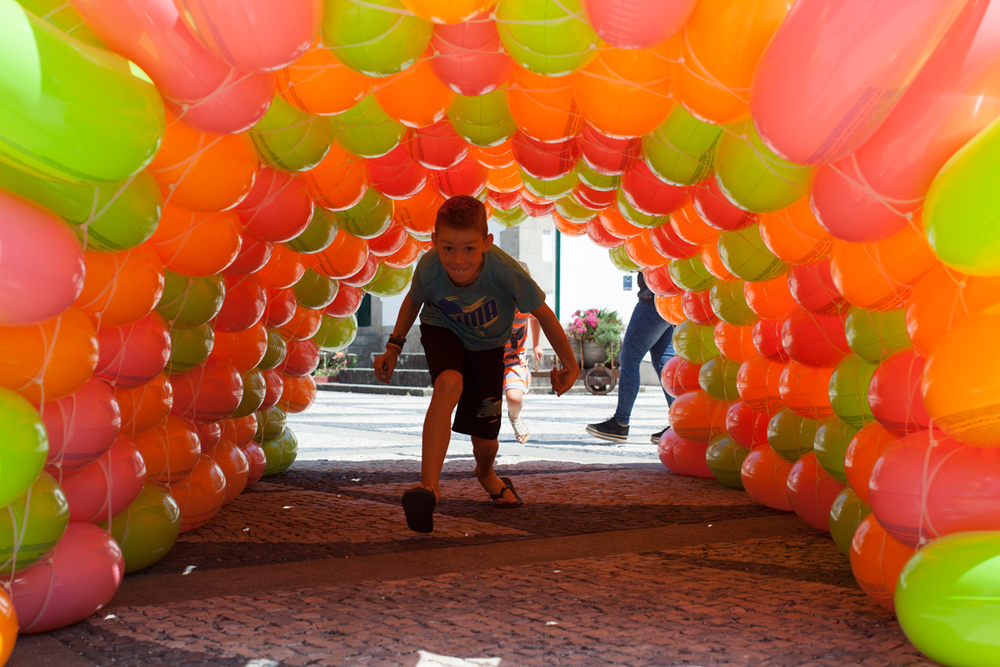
<point>562,379</point>
<point>538,352</point>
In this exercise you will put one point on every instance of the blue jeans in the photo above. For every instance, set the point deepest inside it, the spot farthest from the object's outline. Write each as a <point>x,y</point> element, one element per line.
<point>646,332</point>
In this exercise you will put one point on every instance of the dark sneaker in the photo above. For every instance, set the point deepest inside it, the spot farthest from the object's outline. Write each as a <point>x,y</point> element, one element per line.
<point>655,438</point>
<point>609,430</point>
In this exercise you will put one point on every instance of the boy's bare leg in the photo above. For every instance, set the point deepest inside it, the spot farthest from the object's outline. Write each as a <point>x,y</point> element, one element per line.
<point>485,452</point>
<point>437,428</point>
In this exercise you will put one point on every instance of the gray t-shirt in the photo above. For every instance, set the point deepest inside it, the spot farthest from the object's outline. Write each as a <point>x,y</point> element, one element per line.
<point>482,313</point>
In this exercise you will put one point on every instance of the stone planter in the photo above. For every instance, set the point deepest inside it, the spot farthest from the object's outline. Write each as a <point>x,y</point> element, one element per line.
<point>593,354</point>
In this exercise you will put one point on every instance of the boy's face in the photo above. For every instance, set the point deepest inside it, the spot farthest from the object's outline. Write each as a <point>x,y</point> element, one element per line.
<point>461,253</point>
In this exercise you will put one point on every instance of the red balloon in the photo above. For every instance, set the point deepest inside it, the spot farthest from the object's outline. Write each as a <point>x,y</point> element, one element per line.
<point>716,210</point>
<point>302,358</point>
<point>469,58</point>
<point>275,385</point>
<point>347,301</point>
<point>388,241</point>
<point>600,236</point>
<point>396,174</point>
<point>658,280</point>
<point>595,200</point>
<point>468,177</point>
<point>684,457</point>
<point>669,244</point>
<point>697,307</point>
<point>812,490</point>
<point>812,288</point>
<point>257,462</point>
<point>364,274</point>
<point>894,393</point>
<point>280,307</point>
<point>504,200</point>
<point>648,194</point>
<point>243,306</point>
<point>107,486</point>
<point>758,383</point>
<point>814,340</point>
<point>679,376</point>
<point>747,427</point>
<point>607,155</point>
<point>253,255</point>
<point>278,207</point>
<point>545,160</point>
<point>211,391</point>
<point>81,426</point>
<point>767,340</point>
<point>133,354</point>
<point>438,146</point>
<point>209,435</point>
<point>765,478</point>
<point>536,210</point>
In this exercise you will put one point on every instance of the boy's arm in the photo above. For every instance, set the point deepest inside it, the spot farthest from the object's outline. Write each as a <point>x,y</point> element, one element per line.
<point>385,363</point>
<point>563,378</point>
<point>536,338</point>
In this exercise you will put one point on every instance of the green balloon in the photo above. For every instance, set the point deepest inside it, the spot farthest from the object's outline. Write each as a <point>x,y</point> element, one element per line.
<point>874,336</point>
<point>694,342</point>
<point>280,452</point>
<point>25,445</point>
<point>31,525</point>
<point>549,37</point>
<point>832,438</point>
<point>275,352</point>
<point>336,333</point>
<point>108,217</point>
<point>717,377</point>
<point>744,254</point>
<point>318,235</point>
<point>315,291</point>
<point>948,599</point>
<point>680,151</point>
<point>752,176</point>
<point>509,218</point>
<point>483,120</point>
<point>960,208</point>
<point>592,179</point>
<point>366,130</point>
<point>369,217</point>
<point>690,274</point>
<point>573,211</point>
<point>550,190</point>
<point>191,302</point>
<point>376,37</point>
<point>730,305</point>
<point>388,281</point>
<point>621,261</point>
<point>790,435</point>
<point>846,514</point>
<point>637,217</point>
<point>271,424</point>
<point>148,529</point>
<point>189,347</point>
<point>849,390</point>
<point>63,16</point>
<point>289,139</point>
<point>72,112</point>
<point>254,390</point>
<point>725,460</point>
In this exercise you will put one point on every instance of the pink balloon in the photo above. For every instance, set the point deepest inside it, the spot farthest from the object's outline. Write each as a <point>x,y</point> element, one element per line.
<point>814,340</point>
<point>243,305</point>
<point>747,427</point>
<point>608,155</point>
<point>257,462</point>
<point>80,576</point>
<point>812,490</point>
<point>812,288</point>
<point>894,393</point>
<point>468,177</point>
<point>637,24</point>
<point>42,265</point>
<point>469,59</point>
<point>716,210</point>
<point>99,491</point>
<point>396,174</point>
<point>928,485</point>
<point>833,71</point>
<point>648,194</point>
<point>767,340</point>
<point>81,426</point>
<point>133,354</point>
<point>438,146</point>
<point>686,457</point>
<point>545,160</point>
<point>210,95</point>
<point>254,34</point>
<point>872,193</point>
<point>278,207</point>
<point>536,210</point>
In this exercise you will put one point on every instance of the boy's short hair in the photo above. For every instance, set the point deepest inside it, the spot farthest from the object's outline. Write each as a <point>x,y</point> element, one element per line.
<point>462,213</point>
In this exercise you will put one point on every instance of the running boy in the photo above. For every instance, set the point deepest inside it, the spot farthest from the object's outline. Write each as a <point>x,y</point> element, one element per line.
<point>466,292</point>
<point>517,373</point>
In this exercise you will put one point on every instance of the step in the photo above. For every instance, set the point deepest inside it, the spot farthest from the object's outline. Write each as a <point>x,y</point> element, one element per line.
<point>401,377</point>
<point>407,360</point>
<point>383,389</point>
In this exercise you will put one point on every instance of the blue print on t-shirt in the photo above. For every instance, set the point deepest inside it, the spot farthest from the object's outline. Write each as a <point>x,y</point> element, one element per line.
<point>480,314</point>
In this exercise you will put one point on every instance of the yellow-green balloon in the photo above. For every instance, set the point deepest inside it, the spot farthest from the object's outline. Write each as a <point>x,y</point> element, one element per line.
<point>694,342</point>
<point>31,525</point>
<point>690,274</point>
<point>830,445</point>
<point>555,189</point>
<point>745,255</point>
<point>873,336</point>
<point>64,16</point>
<point>570,208</point>
<point>595,180</point>
<point>275,352</point>
<point>388,281</point>
<point>849,390</point>
<point>752,176</point>
<point>315,291</point>
<point>271,424</point>
<point>846,514</point>
<point>289,139</point>
<point>254,390</point>
<point>72,112</point>
<point>725,460</point>
<point>318,235</point>
<point>336,333</point>
<point>509,218</point>
<point>482,120</point>
<point>24,448</point>
<point>717,377</point>
<point>729,304</point>
<point>189,346</point>
<point>637,217</point>
<point>191,301</point>
<point>548,37</point>
<point>148,529</point>
<point>791,436</point>
<point>280,452</point>
<point>366,130</point>
<point>680,151</point>
<point>376,37</point>
<point>369,217</point>
<point>621,261</point>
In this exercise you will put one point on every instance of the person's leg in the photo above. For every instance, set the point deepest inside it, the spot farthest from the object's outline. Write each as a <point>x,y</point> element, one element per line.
<point>661,352</point>
<point>437,428</point>
<point>485,451</point>
<point>645,328</point>
<point>515,401</point>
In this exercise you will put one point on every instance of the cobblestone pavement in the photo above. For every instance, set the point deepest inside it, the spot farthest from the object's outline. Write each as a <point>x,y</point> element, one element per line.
<point>612,561</point>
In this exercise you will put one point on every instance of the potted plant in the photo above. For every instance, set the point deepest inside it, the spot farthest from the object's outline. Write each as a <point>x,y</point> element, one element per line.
<point>330,365</point>
<point>597,334</point>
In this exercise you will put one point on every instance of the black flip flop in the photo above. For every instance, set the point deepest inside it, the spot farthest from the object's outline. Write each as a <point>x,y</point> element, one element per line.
<point>497,496</point>
<point>418,505</point>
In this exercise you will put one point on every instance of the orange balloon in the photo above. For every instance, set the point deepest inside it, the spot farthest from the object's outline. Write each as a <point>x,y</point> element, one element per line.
<point>342,258</point>
<point>691,228</point>
<point>144,406</point>
<point>863,452</point>
<point>877,559</point>
<point>415,97</point>
<point>505,179</point>
<point>625,92</point>
<point>46,361</point>
<point>943,299</point>
<point>641,251</point>
<point>765,478</point>
<point>880,275</point>
<point>284,268</point>
<point>204,172</point>
<point>771,299</point>
<point>234,465</point>
<point>616,224</point>
<point>696,416</point>
<point>670,308</point>
<point>734,342</point>
<point>407,254</point>
<point>713,262</point>
<point>297,394</point>
<point>239,431</point>
<point>303,325</point>
<point>196,243</point>
<point>805,390</point>
<point>170,448</point>
<point>758,382</point>
<point>121,287</point>
<point>494,157</point>
<point>339,181</point>
<point>320,84</point>
<point>568,228</point>
<point>242,350</point>
<point>543,107</point>
<point>418,213</point>
<point>717,53</point>
<point>794,235</point>
<point>200,495</point>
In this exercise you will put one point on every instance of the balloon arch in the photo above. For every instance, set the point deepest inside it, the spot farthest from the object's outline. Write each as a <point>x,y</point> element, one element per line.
<point>194,197</point>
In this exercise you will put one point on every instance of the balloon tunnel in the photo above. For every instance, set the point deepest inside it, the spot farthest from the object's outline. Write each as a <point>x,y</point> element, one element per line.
<point>195,196</point>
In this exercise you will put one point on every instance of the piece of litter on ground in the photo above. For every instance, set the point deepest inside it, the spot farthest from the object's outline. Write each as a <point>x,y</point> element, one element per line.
<point>109,617</point>
<point>355,479</point>
<point>709,525</point>
<point>551,623</point>
<point>557,571</point>
<point>189,569</point>
<point>287,507</point>
<point>246,530</point>
<point>433,660</point>
<point>262,662</point>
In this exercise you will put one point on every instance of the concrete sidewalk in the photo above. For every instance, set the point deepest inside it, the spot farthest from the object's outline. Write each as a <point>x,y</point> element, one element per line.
<point>613,560</point>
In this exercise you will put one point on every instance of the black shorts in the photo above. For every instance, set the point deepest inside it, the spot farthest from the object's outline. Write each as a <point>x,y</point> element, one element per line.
<point>479,408</point>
